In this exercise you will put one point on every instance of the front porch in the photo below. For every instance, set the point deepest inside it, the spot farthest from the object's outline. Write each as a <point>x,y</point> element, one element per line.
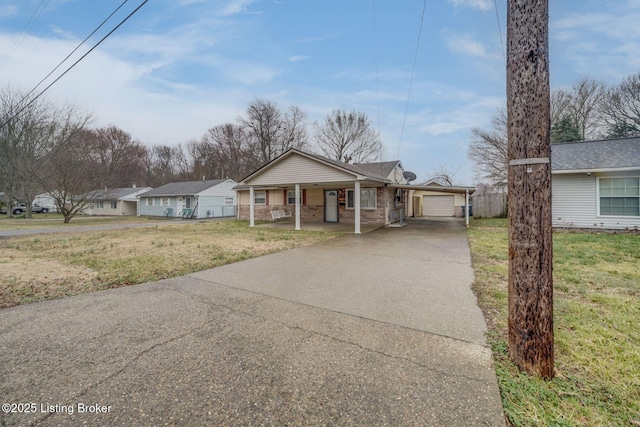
<point>331,227</point>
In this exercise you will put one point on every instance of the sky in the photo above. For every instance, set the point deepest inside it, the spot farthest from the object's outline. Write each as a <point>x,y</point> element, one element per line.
<point>179,67</point>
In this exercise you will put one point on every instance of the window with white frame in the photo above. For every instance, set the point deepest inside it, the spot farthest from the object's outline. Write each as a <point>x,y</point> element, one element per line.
<point>114,204</point>
<point>150,201</point>
<point>164,201</point>
<point>367,198</point>
<point>260,197</point>
<point>291,197</point>
<point>228,200</point>
<point>100,204</point>
<point>619,196</point>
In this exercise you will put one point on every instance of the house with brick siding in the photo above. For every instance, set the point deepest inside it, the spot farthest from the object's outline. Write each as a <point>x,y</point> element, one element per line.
<point>312,188</point>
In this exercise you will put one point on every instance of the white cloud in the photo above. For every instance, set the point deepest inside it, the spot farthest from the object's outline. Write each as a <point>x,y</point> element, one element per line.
<point>297,58</point>
<point>236,6</point>
<point>465,44</point>
<point>476,4</point>
<point>7,10</point>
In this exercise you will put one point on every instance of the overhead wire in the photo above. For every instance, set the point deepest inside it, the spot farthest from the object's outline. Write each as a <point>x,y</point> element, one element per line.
<point>73,65</point>
<point>504,54</point>
<point>32,19</point>
<point>375,47</point>
<point>413,71</point>
<point>74,50</point>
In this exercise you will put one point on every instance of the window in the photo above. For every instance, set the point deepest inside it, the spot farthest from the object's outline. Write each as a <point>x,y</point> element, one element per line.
<point>260,197</point>
<point>100,205</point>
<point>228,200</point>
<point>150,201</point>
<point>619,196</point>
<point>367,198</point>
<point>114,204</point>
<point>164,201</point>
<point>187,202</point>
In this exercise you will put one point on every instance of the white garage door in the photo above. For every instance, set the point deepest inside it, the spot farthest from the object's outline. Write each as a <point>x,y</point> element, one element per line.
<point>438,205</point>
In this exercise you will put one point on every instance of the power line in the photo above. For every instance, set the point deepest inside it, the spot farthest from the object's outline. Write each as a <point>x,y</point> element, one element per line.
<point>73,65</point>
<point>74,50</point>
<point>375,47</point>
<point>413,70</point>
<point>32,19</point>
<point>504,55</point>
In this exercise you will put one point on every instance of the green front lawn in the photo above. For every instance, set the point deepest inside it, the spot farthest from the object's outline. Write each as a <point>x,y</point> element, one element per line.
<point>597,328</point>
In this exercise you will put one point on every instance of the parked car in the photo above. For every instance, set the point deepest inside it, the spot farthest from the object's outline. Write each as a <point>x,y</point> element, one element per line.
<point>22,208</point>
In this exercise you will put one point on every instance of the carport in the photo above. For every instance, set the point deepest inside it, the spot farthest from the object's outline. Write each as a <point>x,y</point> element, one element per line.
<point>436,200</point>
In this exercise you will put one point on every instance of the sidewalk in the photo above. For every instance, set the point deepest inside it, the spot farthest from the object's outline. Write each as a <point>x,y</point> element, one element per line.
<point>378,329</point>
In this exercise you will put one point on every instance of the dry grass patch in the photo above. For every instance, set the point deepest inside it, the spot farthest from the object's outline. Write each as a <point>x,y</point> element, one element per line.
<point>52,266</point>
<point>57,220</point>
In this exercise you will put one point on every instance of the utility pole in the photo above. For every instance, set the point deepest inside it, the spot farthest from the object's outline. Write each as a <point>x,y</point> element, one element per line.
<point>530,238</point>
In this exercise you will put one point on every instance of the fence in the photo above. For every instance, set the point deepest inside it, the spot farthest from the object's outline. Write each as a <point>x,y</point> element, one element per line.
<point>492,205</point>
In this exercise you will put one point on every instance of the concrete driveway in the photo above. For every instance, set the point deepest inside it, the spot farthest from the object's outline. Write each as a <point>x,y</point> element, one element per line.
<point>377,329</point>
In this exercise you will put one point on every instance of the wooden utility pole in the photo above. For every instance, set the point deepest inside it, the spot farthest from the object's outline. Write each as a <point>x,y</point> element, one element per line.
<point>530,240</point>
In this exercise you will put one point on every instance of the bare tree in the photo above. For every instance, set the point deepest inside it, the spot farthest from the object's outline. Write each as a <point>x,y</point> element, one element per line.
<point>488,150</point>
<point>29,131</point>
<point>116,155</point>
<point>621,108</point>
<point>586,97</point>
<point>444,175</point>
<point>69,167</point>
<point>270,133</point>
<point>230,152</point>
<point>347,137</point>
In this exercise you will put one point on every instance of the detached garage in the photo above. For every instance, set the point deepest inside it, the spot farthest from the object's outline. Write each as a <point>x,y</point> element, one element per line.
<point>440,205</point>
<point>436,200</point>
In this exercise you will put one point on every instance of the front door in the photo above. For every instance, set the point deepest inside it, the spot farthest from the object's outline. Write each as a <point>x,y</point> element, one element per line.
<point>331,205</point>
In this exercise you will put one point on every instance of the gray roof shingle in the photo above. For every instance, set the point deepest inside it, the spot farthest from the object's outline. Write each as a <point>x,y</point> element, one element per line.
<point>602,154</point>
<point>187,188</point>
<point>114,193</point>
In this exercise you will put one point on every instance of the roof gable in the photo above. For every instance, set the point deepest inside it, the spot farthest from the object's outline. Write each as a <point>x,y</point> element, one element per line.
<point>298,167</point>
<point>597,155</point>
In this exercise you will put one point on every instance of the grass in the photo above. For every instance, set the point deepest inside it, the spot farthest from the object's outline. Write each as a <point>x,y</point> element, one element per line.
<point>596,328</point>
<point>53,266</point>
<point>57,220</point>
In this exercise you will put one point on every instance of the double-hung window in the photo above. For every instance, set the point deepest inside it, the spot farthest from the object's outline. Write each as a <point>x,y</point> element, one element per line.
<point>150,201</point>
<point>114,204</point>
<point>260,197</point>
<point>619,196</point>
<point>164,201</point>
<point>367,198</point>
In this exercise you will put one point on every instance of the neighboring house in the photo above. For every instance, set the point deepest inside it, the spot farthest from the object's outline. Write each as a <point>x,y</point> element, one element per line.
<point>46,201</point>
<point>596,184</point>
<point>201,199</point>
<point>313,188</point>
<point>117,201</point>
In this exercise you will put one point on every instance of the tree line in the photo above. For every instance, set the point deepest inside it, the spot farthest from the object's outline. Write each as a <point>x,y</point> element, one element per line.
<point>54,149</point>
<point>589,110</point>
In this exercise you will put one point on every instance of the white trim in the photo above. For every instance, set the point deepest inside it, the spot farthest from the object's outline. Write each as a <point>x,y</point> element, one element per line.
<point>598,215</point>
<point>601,170</point>
<point>255,194</point>
<point>375,199</point>
<point>356,202</point>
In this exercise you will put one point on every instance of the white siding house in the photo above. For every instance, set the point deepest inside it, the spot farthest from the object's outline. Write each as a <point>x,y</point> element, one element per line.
<point>193,199</point>
<point>596,184</point>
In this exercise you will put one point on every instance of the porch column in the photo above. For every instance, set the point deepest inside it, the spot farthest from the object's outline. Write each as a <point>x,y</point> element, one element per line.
<point>356,203</point>
<point>252,214</point>
<point>466,208</point>
<point>297,206</point>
